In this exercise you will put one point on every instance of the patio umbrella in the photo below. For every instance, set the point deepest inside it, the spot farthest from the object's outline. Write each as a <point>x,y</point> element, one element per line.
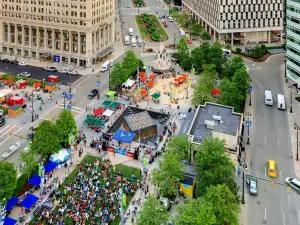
<point>176,80</point>
<point>155,95</point>
<point>142,74</point>
<point>98,111</point>
<point>143,78</point>
<point>150,84</point>
<point>61,156</point>
<point>152,76</point>
<point>143,92</point>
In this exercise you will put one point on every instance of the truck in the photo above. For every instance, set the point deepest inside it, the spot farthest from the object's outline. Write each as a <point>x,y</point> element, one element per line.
<point>252,183</point>
<point>106,65</point>
<point>133,42</point>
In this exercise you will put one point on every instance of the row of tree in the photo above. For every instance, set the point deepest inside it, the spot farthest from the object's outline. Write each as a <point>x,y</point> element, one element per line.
<point>48,139</point>
<point>122,71</point>
<point>217,200</point>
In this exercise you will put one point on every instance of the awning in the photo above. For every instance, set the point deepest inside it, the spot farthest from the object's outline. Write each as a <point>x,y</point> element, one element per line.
<point>111,93</point>
<point>9,221</point>
<point>143,92</point>
<point>129,83</point>
<point>115,104</point>
<point>124,136</point>
<point>89,120</point>
<point>155,95</point>
<point>98,111</point>
<point>105,52</point>
<point>238,37</point>
<point>50,166</point>
<point>61,156</point>
<point>11,203</point>
<point>108,113</point>
<point>98,123</point>
<point>277,32</point>
<point>106,102</point>
<point>29,201</point>
<point>35,180</point>
<point>152,76</point>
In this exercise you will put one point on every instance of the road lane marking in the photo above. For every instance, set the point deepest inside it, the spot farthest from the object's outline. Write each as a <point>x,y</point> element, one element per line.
<point>74,110</point>
<point>5,128</point>
<point>265,213</point>
<point>83,100</point>
<point>265,140</point>
<point>83,80</point>
<point>278,143</point>
<point>283,218</point>
<point>265,171</point>
<point>7,131</point>
<point>10,136</point>
<point>280,175</point>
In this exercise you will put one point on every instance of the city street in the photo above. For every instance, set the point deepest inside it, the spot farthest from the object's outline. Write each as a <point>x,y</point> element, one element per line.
<point>270,139</point>
<point>36,72</point>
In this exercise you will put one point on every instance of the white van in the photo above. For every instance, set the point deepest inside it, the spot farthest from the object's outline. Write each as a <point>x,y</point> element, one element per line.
<point>140,42</point>
<point>130,31</point>
<point>268,97</point>
<point>181,32</point>
<point>133,41</point>
<point>127,40</point>
<point>280,101</point>
<point>106,65</point>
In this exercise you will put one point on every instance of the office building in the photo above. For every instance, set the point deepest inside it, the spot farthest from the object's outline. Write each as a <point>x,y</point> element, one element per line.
<point>74,31</point>
<point>239,21</point>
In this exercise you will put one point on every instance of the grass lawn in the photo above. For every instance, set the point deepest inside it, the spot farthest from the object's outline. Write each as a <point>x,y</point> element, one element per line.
<point>143,28</point>
<point>127,172</point>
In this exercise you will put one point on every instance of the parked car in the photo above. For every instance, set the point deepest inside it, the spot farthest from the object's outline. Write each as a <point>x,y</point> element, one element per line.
<point>93,94</point>
<point>25,74</point>
<point>22,63</point>
<point>50,69</point>
<point>62,71</point>
<point>73,73</point>
<point>252,182</point>
<point>170,19</point>
<point>293,183</point>
<point>2,121</point>
<point>14,62</point>
<point>5,60</point>
<point>10,150</point>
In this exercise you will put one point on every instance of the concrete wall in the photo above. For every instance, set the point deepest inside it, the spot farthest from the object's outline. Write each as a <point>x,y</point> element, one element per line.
<point>230,141</point>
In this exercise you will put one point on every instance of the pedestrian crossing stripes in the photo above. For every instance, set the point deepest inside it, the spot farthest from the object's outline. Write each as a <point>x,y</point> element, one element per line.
<point>73,108</point>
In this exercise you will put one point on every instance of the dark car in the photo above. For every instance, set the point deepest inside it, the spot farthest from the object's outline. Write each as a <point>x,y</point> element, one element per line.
<point>14,62</point>
<point>2,121</point>
<point>50,69</point>
<point>93,94</point>
<point>5,60</point>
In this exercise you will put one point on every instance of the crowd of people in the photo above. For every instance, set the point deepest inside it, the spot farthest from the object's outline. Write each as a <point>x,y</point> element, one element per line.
<point>93,197</point>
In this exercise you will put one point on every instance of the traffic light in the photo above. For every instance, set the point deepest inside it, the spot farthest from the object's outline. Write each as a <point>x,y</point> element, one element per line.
<point>20,136</point>
<point>10,133</point>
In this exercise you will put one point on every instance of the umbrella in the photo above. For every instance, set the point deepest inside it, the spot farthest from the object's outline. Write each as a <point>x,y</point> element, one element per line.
<point>150,84</point>
<point>155,95</point>
<point>152,76</point>
<point>142,74</point>
<point>143,78</point>
<point>98,111</point>
<point>215,92</point>
<point>143,92</point>
<point>61,156</point>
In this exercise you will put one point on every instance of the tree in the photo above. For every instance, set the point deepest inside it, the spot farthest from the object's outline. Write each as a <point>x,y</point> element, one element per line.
<point>226,206</point>
<point>30,162</point>
<point>169,172</point>
<point>180,146</point>
<point>65,126</point>
<point>182,49</point>
<point>186,63</point>
<point>130,63</point>
<point>231,95</point>
<point>206,36</point>
<point>205,48</point>
<point>197,59</point>
<point>257,52</point>
<point>216,56</point>
<point>8,181</point>
<point>153,212</point>
<point>241,78</point>
<point>195,212</point>
<point>195,29</point>
<point>118,76</point>
<point>231,66</point>
<point>46,141</point>
<point>213,166</point>
<point>184,20</point>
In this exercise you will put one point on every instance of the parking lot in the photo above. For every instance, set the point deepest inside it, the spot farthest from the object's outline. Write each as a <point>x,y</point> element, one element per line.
<point>36,72</point>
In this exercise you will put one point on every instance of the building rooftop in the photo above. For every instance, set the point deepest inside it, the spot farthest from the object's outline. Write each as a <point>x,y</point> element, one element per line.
<point>214,118</point>
<point>139,121</point>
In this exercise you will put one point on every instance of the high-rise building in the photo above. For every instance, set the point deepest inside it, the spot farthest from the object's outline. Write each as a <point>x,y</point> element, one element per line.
<point>293,40</point>
<point>70,31</point>
<point>239,21</point>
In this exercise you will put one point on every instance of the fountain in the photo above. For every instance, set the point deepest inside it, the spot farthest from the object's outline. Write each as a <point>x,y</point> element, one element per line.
<point>162,61</point>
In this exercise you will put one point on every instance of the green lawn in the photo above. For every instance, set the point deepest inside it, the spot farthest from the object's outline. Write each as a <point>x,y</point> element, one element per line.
<point>127,171</point>
<point>143,29</point>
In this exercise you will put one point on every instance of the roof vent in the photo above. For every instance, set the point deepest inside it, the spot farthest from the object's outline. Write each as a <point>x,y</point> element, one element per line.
<point>217,118</point>
<point>209,124</point>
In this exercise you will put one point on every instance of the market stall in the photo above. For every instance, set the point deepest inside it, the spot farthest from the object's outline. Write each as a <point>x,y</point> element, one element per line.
<point>98,111</point>
<point>15,110</point>
<point>50,86</point>
<point>15,100</point>
<point>53,78</point>
<point>21,84</point>
<point>108,113</point>
<point>111,94</point>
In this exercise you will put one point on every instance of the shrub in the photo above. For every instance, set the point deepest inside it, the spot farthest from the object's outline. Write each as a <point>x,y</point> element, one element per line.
<point>151,29</point>
<point>155,36</point>
<point>5,110</point>
<point>238,50</point>
<point>149,23</point>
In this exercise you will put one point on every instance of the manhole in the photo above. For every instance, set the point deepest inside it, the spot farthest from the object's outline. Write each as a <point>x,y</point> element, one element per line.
<point>264,222</point>
<point>258,202</point>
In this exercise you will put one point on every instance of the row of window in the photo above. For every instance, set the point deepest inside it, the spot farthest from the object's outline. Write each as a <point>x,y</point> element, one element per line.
<point>244,8</point>
<point>293,9</point>
<point>293,71</point>
<point>251,15</point>
<point>228,2</point>
<point>250,24</point>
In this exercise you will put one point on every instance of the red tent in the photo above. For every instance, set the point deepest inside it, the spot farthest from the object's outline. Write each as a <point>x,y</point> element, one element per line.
<point>143,92</point>
<point>142,74</point>
<point>215,92</point>
<point>152,76</point>
<point>98,111</point>
<point>150,84</point>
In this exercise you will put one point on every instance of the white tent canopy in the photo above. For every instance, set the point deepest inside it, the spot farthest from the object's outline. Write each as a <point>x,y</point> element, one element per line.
<point>108,112</point>
<point>129,83</point>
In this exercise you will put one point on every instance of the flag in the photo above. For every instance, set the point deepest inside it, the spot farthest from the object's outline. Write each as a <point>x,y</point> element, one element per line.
<point>124,199</point>
<point>145,161</point>
<point>40,170</point>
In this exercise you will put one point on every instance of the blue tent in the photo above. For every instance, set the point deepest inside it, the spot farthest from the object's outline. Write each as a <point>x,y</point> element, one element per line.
<point>29,201</point>
<point>9,221</point>
<point>35,180</point>
<point>11,202</point>
<point>50,166</point>
<point>124,136</point>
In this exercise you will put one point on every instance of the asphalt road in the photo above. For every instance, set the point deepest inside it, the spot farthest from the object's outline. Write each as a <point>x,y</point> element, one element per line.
<point>270,140</point>
<point>36,72</point>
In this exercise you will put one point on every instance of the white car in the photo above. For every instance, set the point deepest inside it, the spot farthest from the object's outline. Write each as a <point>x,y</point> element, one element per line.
<point>73,73</point>
<point>170,19</point>
<point>22,63</point>
<point>24,74</point>
<point>10,150</point>
<point>293,183</point>
<point>62,71</point>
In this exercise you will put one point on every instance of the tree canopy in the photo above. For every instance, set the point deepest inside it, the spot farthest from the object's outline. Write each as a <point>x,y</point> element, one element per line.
<point>241,78</point>
<point>30,163</point>
<point>46,141</point>
<point>216,56</point>
<point>182,49</point>
<point>206,36</point>
<point>195,212</point>
<point>65,125</point>
<point>118,76</point>
<point>130,63</point>
<point>197,59</point>
<point>213,166</point>
<point>226,206</point>
<point>180,146</point>
<point>8,181</point>
<point>231,66</point>
<point>195,29</point>
<point>153,212</point>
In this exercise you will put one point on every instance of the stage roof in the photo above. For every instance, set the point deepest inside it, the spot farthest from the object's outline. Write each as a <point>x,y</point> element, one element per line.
<point>139,121</point>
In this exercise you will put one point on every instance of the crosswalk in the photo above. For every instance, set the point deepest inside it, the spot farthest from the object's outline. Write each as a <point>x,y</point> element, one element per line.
<point>73,108</point>
<point>6,129</point>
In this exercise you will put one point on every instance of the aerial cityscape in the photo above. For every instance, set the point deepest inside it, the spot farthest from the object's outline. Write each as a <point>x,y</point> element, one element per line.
<point>149,112</point>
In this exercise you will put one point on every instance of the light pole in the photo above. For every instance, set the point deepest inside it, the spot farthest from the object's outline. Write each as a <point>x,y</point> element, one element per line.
<point>243,193</point>
<point>32,111</point>
<point>296,127</point>
<point>248,126</point>
<point>291,107</point>
<point>98,84</point>
<point>70,83</point>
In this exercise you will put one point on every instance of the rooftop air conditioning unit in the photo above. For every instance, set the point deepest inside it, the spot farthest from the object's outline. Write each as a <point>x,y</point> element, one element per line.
<point>209,124</point>
<point>218,118</point>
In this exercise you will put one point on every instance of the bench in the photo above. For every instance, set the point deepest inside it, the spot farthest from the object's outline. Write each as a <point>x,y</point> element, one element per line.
<point>36,210</point>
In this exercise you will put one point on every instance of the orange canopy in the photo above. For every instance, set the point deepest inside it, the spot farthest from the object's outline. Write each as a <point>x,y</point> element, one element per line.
<point>181,79</point>
<point>185,75</point>
<point>142,73</point>
<point>143,92</point>
<point>152,76</point>
<point>37,85</point>
<point>143,78</point>
<point>150,83</point>
<point>176,80</point>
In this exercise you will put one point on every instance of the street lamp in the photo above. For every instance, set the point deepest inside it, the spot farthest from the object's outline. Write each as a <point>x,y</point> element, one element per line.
<point>297,128</point>
<point>291,107</point>
<point>32,111</point>
<point>98,85</point>
<point>243,193</point>
<point>174,41</point>
<point>285,69</point>
<point>70,91</point>
<point>248,126</point>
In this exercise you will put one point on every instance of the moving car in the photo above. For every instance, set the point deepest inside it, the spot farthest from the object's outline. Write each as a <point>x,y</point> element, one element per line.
<point>10,150</point>
<point>272,168</point>
<point>252,182</point>
<point>5,60</point>
<point>14,62</point>
<point>22,63</point>
<point>73,73</point>
<point>93,94</point>
<point>62,71</point>
<point>170,19</point>
<point>293,183</point>
<point>50,69</point>
<point>25,74</point>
